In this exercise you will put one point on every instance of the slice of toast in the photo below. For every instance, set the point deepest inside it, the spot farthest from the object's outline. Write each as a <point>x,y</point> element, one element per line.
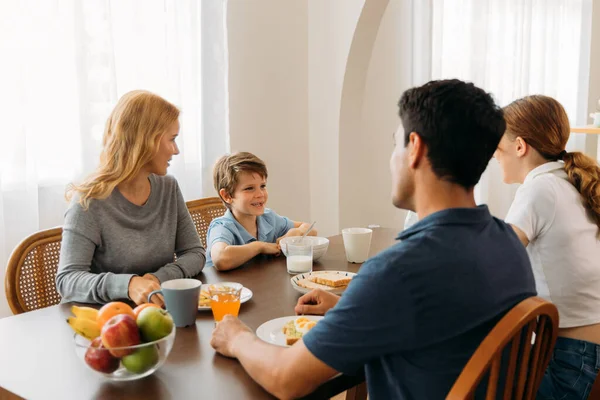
<point>291,335</point>
<point>290,332</point>
<point>330,279</point>
<point>308,284</point>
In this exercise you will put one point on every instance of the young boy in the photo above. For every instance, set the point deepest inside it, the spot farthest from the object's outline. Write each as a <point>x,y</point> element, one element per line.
<point>248,228</point>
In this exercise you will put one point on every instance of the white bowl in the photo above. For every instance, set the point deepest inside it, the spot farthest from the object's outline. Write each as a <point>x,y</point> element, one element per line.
<point>320,245</point>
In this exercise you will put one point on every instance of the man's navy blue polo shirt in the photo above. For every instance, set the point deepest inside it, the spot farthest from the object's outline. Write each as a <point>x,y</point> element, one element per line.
<point>415,313</point>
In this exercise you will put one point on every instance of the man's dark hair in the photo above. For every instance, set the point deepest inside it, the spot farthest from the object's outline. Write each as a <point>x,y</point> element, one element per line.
<point>460,124</point>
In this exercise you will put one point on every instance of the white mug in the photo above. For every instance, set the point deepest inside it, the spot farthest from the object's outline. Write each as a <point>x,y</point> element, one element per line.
<point>596,117</point>
<point>357,242</point>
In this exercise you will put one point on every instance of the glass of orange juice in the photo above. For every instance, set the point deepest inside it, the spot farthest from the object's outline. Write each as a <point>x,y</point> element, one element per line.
<point>225,299</point>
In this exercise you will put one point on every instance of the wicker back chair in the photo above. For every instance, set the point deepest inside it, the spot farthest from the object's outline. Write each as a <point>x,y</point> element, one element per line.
<point>203,211</point>
<point>31,272</point>
<point>529,354</point>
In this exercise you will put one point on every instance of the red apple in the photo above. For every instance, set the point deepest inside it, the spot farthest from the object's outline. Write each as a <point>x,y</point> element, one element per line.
<point>120,331</point>
<point>100,359</point>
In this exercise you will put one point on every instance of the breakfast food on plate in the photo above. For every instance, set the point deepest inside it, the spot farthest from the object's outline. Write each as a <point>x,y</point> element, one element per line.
<point>308,284</point>
<point>330,279</point>
<point>325,281</point>
<point>296,328</point>
<point>204,299</point>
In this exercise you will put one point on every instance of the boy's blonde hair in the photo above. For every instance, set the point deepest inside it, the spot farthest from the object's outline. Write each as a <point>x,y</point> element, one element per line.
<point>228,168</point>
<point>131,140</point>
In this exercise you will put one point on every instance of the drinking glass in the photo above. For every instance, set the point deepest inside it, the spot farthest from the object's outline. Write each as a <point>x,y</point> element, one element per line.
<point>299,257</point>
<point>225,299</point>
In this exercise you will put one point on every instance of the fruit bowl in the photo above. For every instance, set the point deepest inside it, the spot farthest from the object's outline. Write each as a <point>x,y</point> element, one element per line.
<point>136,361</point>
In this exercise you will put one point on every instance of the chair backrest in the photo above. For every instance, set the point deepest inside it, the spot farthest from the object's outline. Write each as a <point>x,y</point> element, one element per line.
<point>31,272</point>
<point>595,392</point>
<point>530,328</point>
<point>203,211</point>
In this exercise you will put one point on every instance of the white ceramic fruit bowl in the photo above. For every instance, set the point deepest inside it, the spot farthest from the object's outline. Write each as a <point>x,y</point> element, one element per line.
<point>319,244</point>
<point>142,361</point>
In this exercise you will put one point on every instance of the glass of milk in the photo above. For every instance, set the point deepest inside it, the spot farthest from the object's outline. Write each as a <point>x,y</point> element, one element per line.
<point>299,257</point>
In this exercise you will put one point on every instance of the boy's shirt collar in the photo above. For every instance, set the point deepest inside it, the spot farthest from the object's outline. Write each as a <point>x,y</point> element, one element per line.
<point>264,228</point>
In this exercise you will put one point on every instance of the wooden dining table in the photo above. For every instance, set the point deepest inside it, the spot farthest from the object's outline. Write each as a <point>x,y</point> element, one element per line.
<point>38,360</point>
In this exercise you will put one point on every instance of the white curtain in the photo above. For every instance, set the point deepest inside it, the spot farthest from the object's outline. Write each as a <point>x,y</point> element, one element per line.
<point>64,65</point>
<point>514,48</point>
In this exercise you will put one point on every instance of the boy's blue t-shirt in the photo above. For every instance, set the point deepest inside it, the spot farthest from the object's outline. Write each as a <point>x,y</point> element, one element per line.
<point>415,313</point>
<point>226,229</point>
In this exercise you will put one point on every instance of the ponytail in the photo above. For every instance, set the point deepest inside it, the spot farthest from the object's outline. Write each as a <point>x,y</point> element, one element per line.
<point>584,174</point>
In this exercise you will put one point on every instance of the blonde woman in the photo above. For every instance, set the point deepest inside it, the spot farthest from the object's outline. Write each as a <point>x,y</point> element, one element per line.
<point>556,215</point>
<point>128,219</point>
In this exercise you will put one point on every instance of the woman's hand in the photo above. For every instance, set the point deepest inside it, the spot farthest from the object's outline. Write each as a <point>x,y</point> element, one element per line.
<point>140,288</point>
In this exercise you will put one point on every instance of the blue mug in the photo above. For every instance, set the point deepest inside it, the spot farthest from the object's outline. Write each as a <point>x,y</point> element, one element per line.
<point>181,298</point>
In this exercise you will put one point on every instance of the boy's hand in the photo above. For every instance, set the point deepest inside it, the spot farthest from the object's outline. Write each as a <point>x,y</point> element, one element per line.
<point>291,232</point>
<point>271,249</point>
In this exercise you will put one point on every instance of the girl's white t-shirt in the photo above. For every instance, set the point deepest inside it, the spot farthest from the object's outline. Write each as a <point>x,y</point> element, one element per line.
<point>564,247</point>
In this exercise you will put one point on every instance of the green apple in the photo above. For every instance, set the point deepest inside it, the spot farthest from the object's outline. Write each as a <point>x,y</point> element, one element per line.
<point>141,360</point>
<point>154,323</point>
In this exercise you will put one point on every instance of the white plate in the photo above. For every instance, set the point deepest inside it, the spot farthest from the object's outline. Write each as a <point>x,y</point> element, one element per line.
<point>271,331</point>
<point>301,289</point>
<point>244,297</point>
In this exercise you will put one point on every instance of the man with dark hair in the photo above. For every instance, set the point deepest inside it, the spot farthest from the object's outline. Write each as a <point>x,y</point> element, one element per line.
<point>416,312</point>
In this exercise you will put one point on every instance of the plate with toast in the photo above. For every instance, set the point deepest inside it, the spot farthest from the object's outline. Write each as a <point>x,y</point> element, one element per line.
<point>332,281</point>
<point>204,298</point>
<point>286,331</point>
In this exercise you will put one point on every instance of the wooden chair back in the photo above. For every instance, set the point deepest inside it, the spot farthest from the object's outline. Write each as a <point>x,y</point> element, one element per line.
<point>203,211</point>
<point>31,272</point>
<point>530,329</point>
<point>595,392</point>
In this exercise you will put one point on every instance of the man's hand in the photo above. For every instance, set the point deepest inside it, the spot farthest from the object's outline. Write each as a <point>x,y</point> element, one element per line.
<point>140,288</point>
<point>225,334</point>
<point>316,302</point>
<point>271,249</point>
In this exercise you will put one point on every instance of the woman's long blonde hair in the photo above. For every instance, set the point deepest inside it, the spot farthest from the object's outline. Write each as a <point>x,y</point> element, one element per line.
<point>131,139</point>
<point>543,123</point>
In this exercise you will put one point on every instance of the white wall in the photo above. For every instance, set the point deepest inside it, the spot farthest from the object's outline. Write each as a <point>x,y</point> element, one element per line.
<point>268,93</point>
<point>591,144</point>
<point>331,29</point>
<point>388,74</point>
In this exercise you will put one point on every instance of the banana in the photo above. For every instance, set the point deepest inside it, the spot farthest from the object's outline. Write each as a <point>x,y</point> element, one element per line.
<point>85,312</point>
<point>85,327</point>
